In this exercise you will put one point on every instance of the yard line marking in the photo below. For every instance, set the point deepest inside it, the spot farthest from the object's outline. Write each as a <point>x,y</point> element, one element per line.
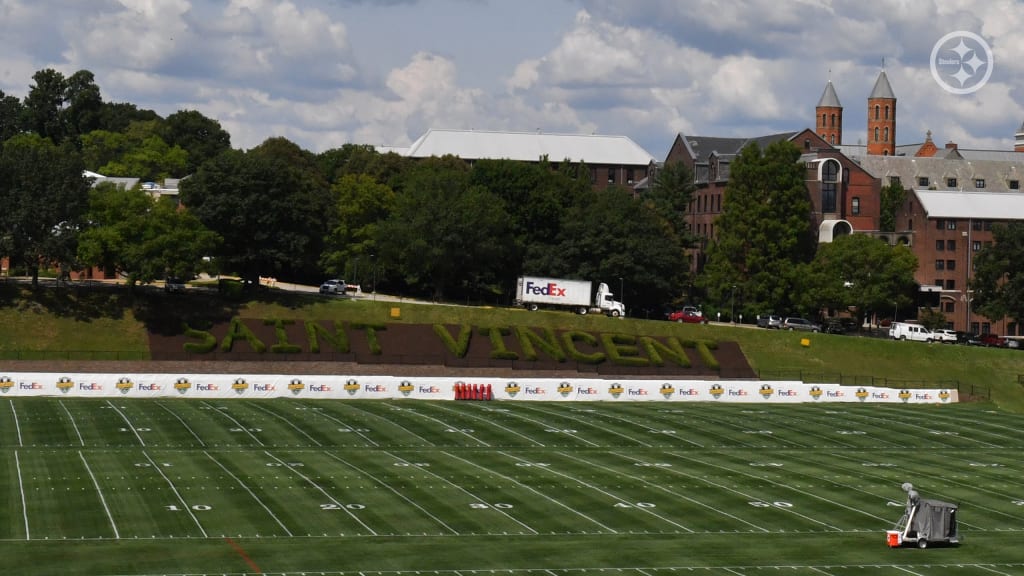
<point>251,493</point>
<point>322,491</point>
<point>449,426</point>
<point>545,426</point>
<point>816,569</point>
<point>237,423</point>
<point>787,487</point>
<point>984,567</point>
<point>100,492</point>
<point>183,423</point>
<point>535,491</point>
<point>286,421</point>
<point>908,571</point>
<point>238,550</point>
<point>491,423</point>
<point>128,422</point>
<point>21,488</point>
<point>174,489</point>
<point>900,416</point>
<point>462,489</point>
<point>396,492</point>
<point>900,419</point>
<point>588,424</point>
<point>73,423</point>
<point>684,496</point>
<point>16,425</point>
<point>345,424</point>
<point>650,428</point>
<point>609,494</point>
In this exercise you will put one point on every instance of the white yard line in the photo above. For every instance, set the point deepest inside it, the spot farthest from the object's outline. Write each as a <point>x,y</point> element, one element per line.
<point>449,426</point>
<point>128,422</point>
<point>908,571</point>
<point>74,424</point>
<point>183,423</point>
<point>174,489</point>
<point>676,494</point>
<point>100,492</point>
<point>462,489</point>
<point>601,430</point>
<point>535,491</point>
<point>319,488</point>
<point>547,426</point>
<point>609,494</point>
<point>984,567</point>
<point>392,490</point>
<point>237,423</point>
<point>349,427</point>
<point>249,490</point>
<point>494,424</point>
<point>21,488</point>
<point>16,425</point>
<point>285,420</point>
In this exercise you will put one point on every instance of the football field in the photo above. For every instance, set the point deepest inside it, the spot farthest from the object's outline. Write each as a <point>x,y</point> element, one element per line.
<point>104,487</point>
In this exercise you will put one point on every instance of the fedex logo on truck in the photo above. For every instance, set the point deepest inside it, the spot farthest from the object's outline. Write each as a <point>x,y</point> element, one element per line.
<point>549,289</point>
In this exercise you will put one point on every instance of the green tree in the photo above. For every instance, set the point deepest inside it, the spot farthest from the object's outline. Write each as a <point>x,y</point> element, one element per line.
<point>270,205</point>
<point>131,233</point>
<point>44,195</point>
<point>200,137</point>
<point>118,116</point>
<point>859,274</point>
<point>998,282</point>
<point>11,114</point>
<point>83,103</point>
<point>764,233</point>
<point>101,148</point>
<point>669,196</point>
<point>44,104</point>
<point>893,197</point>
<point>361,204</point>
<point>445,237</point>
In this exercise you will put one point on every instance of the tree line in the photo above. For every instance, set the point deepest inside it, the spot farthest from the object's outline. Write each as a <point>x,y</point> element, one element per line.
<point>436,227</point>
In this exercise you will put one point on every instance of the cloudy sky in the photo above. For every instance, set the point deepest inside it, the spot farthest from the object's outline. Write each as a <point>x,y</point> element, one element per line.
<point>323,73</point>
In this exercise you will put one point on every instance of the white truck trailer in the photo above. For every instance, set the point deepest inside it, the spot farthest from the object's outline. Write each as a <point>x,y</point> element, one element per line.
<point>535,292</point>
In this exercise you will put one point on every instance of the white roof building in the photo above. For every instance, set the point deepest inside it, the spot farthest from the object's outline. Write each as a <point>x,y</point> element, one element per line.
<point>971,204</point>
<point>530,147</point>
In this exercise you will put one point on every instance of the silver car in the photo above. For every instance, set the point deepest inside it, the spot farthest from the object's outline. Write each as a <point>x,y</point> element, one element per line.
<point>793,323</point>
<point>333,286</point>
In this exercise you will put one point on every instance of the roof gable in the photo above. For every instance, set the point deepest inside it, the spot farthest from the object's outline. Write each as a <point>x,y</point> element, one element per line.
<point>530,147</point>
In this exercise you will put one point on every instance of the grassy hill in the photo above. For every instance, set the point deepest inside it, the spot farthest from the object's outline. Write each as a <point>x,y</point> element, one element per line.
<point>111,323</point>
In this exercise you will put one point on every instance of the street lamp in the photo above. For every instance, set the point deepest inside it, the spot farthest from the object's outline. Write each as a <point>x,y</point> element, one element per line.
<point>622,296</point>
<point>732,305</point>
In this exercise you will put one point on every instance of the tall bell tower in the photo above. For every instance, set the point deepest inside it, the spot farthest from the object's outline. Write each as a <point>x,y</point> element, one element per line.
<point>882,118</point>
<point>829,116</point>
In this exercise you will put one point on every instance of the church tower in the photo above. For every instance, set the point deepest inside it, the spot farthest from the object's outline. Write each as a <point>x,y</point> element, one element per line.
<point>1018,145</point>
<point>829,116</point>
<point>882,118</point>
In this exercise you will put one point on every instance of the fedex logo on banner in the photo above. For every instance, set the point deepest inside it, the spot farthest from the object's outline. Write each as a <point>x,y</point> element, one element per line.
<point>535,391</point>
<point>319,388</point>
<point>835,393</point>
<point>549,289</point>
<point>264,387</point>
<point>429,390</point>
<point>785,392</point>
<point>207,387</point>
<point>90,386</point>
<point>149,387</point>
<point>29,386</point>
<point>688,392</point>
<point>880,395</point>
<point>637,392</point>
<point>586,391</point>
<point>375,388</point>
<point>738,392</point>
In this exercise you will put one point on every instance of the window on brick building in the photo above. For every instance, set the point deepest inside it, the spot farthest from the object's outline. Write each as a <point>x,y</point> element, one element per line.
<point>950,284</point>
<point>940,245</point>
<point>877,110</point>
<point>1014,184</point>
<point>948,307</point>
<point>940,264</point>
<point>876,133</point>
<point>829,184</point>
<point>611,175</point>
<point>988,225</point>
<point>886,112</point>
<point>979,182</point>
<point>940,224</point>
<point>855,205</point>
<point>894,181</point>
<point>886,132</point>
<point>950,182</point>
<point>950,264</point>
<point>951,245</point>
<point>629,175</point>
<point>922,181</point>
<point>976,245</point>
<point>950,224</point>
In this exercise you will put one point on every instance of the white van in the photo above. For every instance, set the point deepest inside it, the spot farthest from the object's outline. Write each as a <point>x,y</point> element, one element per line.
<point>906,331</point>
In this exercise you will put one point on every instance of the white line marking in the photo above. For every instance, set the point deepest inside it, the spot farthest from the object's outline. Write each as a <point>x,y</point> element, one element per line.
<point>604,430</point>
<point>254,496</point>
<point>237,423</point>
<point>460,488</point>
<point>360,434</point>
<point>21,488</point>
<point>495,424</point>
<point>396,492</point>
<point>454,427</point>
<point>100,492</point>
<point>285,420</point>
<point>908,571</point>
<point>128,422</point>
<point>983,567</point>
<point>546,426</point>
<point>322,491</point>
<point>16,425</point>
<point>183,423</point>
<point>174,489</point>
<point>74,424</point>
<point>537,492</point>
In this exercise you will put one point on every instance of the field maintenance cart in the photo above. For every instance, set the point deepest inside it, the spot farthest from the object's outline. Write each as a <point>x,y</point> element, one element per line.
<point>925,522</point>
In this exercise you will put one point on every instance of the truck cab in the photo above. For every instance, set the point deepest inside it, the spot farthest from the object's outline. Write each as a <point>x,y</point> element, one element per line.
<point>605,302</point>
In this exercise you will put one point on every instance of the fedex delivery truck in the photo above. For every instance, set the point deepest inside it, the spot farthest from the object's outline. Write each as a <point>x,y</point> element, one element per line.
<point>535,292</point>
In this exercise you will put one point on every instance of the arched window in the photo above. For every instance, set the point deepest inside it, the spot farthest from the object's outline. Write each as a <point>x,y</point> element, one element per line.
<point>877,108</point>
<point>832,139</point>
<point>822,119</point>
<point>833,120</point>
<point>876,133</point>
<point>886,133</point>
<point>887,112</point>
<point>829,185</point>
<point>855,205</point>
<point>885,152</point>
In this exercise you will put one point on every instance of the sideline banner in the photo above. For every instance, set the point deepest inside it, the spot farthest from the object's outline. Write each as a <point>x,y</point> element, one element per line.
<point>339,387</point>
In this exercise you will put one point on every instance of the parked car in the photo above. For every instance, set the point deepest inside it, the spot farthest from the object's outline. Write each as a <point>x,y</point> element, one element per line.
<point>693,310</point>
<point>685,315</point>
<point>769,321</point>
<point>333,286</point>
<point>965,337</point>
<point>794,323</point>
<point>988,340</point>
<point>945,336</point>
<point>910,331</point>
<point>172,284</point>
<point>834,326</point>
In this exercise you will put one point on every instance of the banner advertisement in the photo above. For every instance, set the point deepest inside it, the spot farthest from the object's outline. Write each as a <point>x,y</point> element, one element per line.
<point>357,387</point>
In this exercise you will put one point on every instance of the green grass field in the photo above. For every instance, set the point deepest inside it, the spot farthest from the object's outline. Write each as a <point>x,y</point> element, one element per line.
<point>147,487</point>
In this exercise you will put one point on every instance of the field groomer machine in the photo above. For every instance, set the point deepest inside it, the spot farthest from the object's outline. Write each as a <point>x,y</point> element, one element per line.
<point>925,522</point>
